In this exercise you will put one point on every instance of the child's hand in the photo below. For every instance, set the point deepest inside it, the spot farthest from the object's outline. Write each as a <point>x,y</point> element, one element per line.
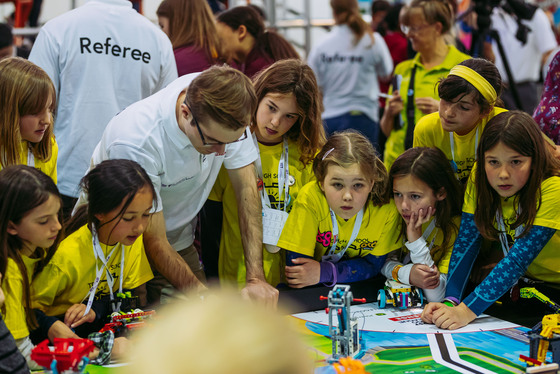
<point>74,316</point>
<point>60,330</point>
<point>414,225</point>
<point>428,312</point>
<point>427,105</point>
<point>306,273</point>
<point>452,318</point>
<point>424,276</point>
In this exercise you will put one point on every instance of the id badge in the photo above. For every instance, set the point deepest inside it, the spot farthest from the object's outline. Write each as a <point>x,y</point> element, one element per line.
<point>273,223</point>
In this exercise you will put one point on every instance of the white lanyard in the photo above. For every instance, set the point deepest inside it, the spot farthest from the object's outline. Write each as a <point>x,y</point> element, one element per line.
<point>503,234</point>
<point>427,233</point>
<point>452,144</point>
<point>283,175</point>
<point>30,158</point>
<point>335,257</point>
<point>98,254</point>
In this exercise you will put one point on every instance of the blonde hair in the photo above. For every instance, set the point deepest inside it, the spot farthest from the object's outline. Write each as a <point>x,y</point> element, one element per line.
<point>24,90</point>
<point>222,334</point>
<point>223,94</point>
<point>347,12</point>
<point>350,147</point>
<point>433,11</point>
<point>191,22</point>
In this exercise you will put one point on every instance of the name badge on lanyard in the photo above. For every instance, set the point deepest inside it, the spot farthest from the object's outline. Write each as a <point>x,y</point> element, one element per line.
<point>274,219</point>
<point>503,234</point>
<point>99,255</point>
<point>335,257</point>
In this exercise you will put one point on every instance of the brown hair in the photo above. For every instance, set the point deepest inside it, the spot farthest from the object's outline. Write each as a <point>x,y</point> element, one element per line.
<point>294,77</point>
<point>191,22</point>
<point>347,12</point>
<point>266,40</point>
<point>431,166</point>
<point>350,147</point>
<point>22,189</point>
<point>433,10</point>
<point>453,86</point>
<point>24,90</point>
<point>223,94</point>
<point>516,130</point>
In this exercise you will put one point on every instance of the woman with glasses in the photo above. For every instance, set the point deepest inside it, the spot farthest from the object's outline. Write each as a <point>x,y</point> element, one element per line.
<point>348,63</point>
<point>425,23</point>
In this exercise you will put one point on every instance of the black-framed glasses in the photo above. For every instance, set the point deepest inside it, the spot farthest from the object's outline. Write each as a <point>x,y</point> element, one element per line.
<point>204,142</point>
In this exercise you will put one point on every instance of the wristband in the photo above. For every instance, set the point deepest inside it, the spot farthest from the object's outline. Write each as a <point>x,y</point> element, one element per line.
<point>450,301</point>
<point>335,277</point>
<point>395,272</point>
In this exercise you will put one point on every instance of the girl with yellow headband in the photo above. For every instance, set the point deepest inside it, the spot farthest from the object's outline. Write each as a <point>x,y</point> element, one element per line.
<point>469,98</point>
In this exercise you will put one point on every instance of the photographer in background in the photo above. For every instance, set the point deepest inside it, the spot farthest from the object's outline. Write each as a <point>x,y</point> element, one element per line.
<point>525,58</point>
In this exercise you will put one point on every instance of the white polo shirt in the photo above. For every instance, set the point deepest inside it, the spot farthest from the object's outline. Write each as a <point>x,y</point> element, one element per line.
<point>101,57</point>
<point>524,59</point>
<point>148,133</point>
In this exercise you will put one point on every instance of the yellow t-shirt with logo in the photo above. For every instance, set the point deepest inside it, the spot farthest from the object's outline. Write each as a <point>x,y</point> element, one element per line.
<point>48,167</point>
<point>546,266</point>
<point>12,285</point>
<point>67,278</point>
<point>429,133</point>
<point>308,229</point>
<point>231,264</point>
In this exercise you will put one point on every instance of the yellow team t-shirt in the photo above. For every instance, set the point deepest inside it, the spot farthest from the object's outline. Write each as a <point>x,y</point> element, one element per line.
<point>48,167</point>
<point>425,81</point>
<point>546,266</point>
<point>12,285</point>
<point>429,133</point>
<point>308,229</point>
<point>231,262</point>
<point>67,278</point>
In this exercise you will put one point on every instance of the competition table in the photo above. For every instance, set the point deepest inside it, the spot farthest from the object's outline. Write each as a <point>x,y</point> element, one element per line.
<point>397,341</point>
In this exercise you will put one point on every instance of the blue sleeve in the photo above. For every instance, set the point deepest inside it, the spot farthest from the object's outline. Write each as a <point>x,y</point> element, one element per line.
<point>352,270</point>
<point>465,251</point>
<point>508,271</point>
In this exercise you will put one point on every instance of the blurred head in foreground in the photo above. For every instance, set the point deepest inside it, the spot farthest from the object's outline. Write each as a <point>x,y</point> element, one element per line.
<point>219,335</point>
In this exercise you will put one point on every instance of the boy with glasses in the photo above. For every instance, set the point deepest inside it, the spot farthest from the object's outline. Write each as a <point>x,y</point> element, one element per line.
<point>182,135</point>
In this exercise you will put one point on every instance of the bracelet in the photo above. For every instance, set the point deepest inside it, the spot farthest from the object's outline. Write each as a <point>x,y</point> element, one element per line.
<point>335,276</point>
<point>395,272</point>
<point>450,301</point>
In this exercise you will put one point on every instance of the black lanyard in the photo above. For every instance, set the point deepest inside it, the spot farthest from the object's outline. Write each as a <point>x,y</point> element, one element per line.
<point>410,109</point>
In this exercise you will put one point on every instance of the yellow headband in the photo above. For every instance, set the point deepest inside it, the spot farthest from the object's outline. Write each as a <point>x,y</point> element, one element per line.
<point>477,80</point>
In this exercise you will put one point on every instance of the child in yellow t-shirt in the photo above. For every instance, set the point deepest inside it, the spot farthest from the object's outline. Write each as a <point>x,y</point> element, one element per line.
<point>27,100</point>
<point>30,219</point>
<point>429,199</point>
<point>289,132</point>
<point>104,257</point>
<point>511,198</point>
<point>469,98</point>
<point>343,225</point>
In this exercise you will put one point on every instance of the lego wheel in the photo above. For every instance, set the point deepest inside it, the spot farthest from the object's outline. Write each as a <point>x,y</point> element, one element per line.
<point>420,296</point>
<point>381,298</point>
<point>402,300</point>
